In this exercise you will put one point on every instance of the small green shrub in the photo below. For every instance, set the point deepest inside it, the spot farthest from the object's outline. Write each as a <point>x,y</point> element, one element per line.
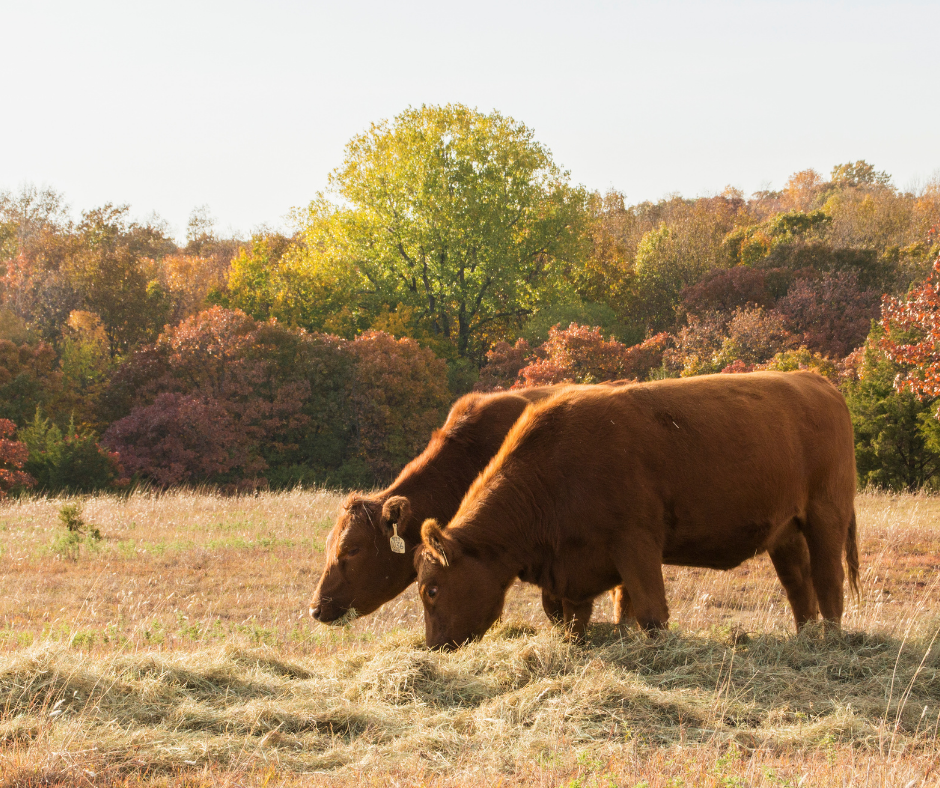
<point>68,544</point>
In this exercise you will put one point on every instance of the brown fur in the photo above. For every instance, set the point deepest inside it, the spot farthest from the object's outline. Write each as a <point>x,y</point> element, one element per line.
<point>362,572</point>
<point>593,488</point>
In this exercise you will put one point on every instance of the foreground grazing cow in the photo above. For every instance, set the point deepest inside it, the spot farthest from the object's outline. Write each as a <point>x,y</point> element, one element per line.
<point>596,487</point>
<point>363,571</point>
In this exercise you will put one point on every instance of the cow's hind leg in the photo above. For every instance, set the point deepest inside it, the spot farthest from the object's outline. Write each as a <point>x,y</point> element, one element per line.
<point>577,615</point>
<point>791,560</point>
<point>825,530</point>
<point>553,606</point>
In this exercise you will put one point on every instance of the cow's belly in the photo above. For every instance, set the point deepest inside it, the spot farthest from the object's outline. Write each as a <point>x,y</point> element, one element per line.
<point>724,544</point>
<point>582,576</point>
<point>583,569</point>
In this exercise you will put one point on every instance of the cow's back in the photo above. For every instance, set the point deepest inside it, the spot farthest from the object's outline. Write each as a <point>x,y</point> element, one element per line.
<point>784,433</point>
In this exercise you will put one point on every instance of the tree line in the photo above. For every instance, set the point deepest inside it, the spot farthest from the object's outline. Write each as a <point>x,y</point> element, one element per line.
<point>448,253</point>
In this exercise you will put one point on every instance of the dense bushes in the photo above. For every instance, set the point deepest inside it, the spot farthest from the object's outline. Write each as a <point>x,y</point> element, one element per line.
<point>70,460</point>
<point>104,322</point>
<point>181,439</point>
<point>577,354</point>
<point>226,399</point>
<point>831,313</point>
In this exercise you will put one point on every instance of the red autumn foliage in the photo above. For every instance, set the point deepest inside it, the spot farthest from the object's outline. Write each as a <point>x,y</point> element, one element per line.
<point>503,364</point>
<point>912,336</point>
<point>641,359</point>
<point>724,290</point>
<point>208,351</point>
<point>223,398</point>
<point>579,354</point>
<point>13,455</point>
<point>208,400</point>
<point>831,313</point>
<point>225,356</point>
<point>183,439</point>
<point>398,395</point>
<point>255,369</point>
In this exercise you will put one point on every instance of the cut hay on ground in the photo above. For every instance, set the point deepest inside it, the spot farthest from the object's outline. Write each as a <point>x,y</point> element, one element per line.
<point>728,697</point>
<point>517,697</point>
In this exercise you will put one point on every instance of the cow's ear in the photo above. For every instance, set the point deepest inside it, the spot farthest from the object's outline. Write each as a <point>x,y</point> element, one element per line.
<point>435,541</point>
<point>396,512</point>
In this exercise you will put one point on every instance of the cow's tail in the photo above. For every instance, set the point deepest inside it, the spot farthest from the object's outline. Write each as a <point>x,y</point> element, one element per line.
<point>851,555</point>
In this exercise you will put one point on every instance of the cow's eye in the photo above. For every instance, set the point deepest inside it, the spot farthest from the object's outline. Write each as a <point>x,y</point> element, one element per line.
<point>431,592</point>
<point>352,551</point>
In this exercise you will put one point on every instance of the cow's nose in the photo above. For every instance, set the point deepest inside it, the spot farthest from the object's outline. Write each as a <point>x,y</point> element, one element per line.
<point>315,612</point>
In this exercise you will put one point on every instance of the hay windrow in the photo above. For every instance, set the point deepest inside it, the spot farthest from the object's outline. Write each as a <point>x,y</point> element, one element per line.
<point>728,681</point>
<point>504,698</point>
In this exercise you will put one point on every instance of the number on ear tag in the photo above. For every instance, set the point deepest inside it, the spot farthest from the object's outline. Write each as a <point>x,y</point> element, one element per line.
<point>397,543</point>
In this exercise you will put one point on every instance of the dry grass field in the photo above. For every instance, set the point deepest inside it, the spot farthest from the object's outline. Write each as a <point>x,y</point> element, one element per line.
<point>176,650</point>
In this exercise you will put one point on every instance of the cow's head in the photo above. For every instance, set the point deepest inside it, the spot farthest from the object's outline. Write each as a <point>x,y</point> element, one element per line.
<point>462,592</point>
<point>363,570</point>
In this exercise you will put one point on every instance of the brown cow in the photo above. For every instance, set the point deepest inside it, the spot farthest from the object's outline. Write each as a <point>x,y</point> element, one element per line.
<point>362,572</point>
<point>597,487</point>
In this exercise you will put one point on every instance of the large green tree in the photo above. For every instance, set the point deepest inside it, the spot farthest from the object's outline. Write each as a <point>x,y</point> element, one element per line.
<point>460,216</point>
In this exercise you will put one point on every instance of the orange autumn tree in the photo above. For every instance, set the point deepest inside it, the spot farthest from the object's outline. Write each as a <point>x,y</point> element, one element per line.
<point>912,336</point>
<point>579,354</point>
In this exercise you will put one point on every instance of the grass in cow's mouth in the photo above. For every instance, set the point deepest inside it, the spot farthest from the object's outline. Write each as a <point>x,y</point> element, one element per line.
<point>347,618</point>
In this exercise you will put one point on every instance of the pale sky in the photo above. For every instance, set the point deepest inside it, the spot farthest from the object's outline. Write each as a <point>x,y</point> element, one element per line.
<point>246,107</point>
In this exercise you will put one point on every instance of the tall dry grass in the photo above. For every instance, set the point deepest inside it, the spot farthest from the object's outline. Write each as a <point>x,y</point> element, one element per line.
<point>178,652</point>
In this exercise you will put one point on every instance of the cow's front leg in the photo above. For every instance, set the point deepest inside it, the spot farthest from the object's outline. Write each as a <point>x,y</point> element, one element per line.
<point>577,615</point>
<point>553,606</point>
<point>623,608</point>
<point>641,570</point>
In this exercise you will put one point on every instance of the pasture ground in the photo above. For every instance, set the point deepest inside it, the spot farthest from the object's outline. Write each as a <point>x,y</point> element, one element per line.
<point>176,651</point>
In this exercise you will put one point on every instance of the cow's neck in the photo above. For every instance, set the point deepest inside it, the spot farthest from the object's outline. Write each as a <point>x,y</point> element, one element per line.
<point>512,525</point>
<point>429,496</point>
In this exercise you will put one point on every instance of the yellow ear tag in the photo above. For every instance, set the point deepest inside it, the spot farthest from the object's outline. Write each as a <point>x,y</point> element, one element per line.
<point>398,544</point>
